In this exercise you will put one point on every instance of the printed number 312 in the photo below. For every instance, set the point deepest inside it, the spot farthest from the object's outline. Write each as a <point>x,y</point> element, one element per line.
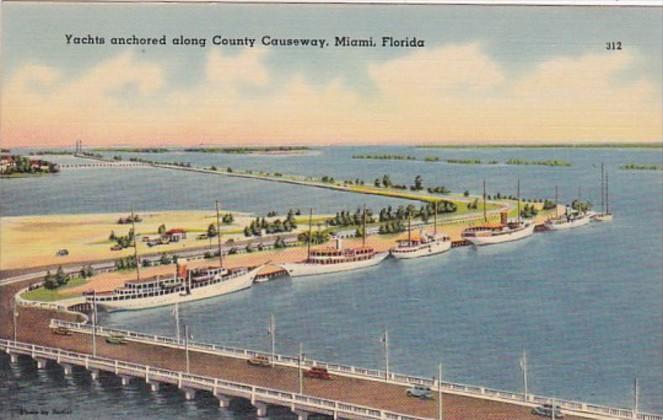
<point>613,46</point>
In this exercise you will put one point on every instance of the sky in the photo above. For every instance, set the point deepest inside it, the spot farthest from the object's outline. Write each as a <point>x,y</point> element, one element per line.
<point>486,75</point>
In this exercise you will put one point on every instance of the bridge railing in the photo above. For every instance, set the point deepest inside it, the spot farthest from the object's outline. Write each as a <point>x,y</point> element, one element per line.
<point>374,374</point>
<point>198,381</point>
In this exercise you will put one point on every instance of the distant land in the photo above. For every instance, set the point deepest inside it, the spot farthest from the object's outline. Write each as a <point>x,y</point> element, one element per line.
<point>539,146</point>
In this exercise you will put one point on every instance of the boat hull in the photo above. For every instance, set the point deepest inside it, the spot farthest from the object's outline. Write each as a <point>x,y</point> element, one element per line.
<point>423,250</point>
<point>235,284</point>
<point>306,269</point>
<point>568,225</point>
<point>504,237</point>
<point>603,217</point>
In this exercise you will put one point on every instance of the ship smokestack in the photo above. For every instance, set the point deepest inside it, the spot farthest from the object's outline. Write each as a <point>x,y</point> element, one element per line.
<point>182,270</point>
<point>339,243</point>
<point>503,218</point>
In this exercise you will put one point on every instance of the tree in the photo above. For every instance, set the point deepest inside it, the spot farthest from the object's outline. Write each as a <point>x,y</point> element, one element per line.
<point>162,229</point>
<point>60,277</point>
<point>466,193</point>
<point>49,281</point>
<point>211,230</point>
<point>112,236</point>
<point>386,181</point>
<point>418,183</point>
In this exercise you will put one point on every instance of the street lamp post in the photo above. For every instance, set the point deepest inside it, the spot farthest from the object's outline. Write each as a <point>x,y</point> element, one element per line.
<point>439,391</point>
<point>301,373</point>
<point>186,347</point>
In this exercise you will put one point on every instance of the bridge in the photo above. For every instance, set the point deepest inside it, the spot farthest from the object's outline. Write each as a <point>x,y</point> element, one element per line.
<point>102,164</point>
<point>194,367</point>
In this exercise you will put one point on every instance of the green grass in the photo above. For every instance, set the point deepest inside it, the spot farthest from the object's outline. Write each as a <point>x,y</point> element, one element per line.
<point>49,295</point>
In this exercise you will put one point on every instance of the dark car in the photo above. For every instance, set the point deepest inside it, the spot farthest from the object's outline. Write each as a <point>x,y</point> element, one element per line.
<point>546,410</point>
<point>259,360</point>
<point>61,331</point>
<point>317,373</point>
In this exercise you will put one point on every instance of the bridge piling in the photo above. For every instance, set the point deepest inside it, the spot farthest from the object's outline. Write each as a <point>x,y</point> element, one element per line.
<point>68,369</point>
<point>224,400</point>
<point>94,374</point>
<point>189,393</point>
<point>125,380</point>
<point>261,408</point>
<point>13,357</point>
<point>41,363</point>
<point>301,414</point>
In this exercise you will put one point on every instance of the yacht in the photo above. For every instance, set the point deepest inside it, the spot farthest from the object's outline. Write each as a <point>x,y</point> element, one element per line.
<point>185,286</point>
<point>505,231</point>
<point>426,244</point>
<point>335,259</point>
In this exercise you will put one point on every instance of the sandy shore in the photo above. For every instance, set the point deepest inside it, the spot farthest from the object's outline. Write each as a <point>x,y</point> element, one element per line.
<point>28,241</point>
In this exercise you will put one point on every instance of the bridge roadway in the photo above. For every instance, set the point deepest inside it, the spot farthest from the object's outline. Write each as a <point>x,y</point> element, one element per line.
<point>33,327</point>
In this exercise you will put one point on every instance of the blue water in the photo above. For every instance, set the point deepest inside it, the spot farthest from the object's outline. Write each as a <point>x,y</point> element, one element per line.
<point>585,304</point>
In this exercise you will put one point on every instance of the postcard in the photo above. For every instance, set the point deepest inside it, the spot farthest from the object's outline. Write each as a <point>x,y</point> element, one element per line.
<point>353,211</point>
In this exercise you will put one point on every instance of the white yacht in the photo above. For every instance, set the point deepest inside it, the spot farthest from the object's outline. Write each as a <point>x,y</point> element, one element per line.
<point>185,286</point>
<point>335,259</point>
<point>571,219</point>
<point>505,231</point>
<point>426,244</point>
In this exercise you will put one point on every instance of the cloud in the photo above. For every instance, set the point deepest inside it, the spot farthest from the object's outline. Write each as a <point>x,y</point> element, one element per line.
<point>454,93</point>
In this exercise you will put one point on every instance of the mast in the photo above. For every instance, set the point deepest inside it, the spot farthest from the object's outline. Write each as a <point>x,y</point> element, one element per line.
<point>607,209</point>
<point>218,235</point>
<point>409,229</point>
<point>602,189</point>
<point>485,215</point>
<point>363,233</point>
<point>133,228</point>
<point>308,247</point>
<point>556,202</point>
<point>518,197</point>
<point>435,218</point>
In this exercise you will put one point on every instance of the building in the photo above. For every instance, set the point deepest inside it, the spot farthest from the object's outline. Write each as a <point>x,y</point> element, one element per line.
<point>175,235</point>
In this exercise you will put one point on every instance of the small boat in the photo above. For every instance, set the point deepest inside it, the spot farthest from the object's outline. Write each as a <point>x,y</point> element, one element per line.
<point>335,259</point>
<point>604,215</point>
<point>505,231</point>
<point>426,244</point>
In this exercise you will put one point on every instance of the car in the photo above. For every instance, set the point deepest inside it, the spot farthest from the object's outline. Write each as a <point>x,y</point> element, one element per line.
<point>116,339</point>
<point>317,373</point>
<point>546,410</point>
<point>259,360</point>
<point>62,252</point>
<point>117,247</point>
<point>202,236</point>
<point>421,392</point>
<point>62,331</point>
